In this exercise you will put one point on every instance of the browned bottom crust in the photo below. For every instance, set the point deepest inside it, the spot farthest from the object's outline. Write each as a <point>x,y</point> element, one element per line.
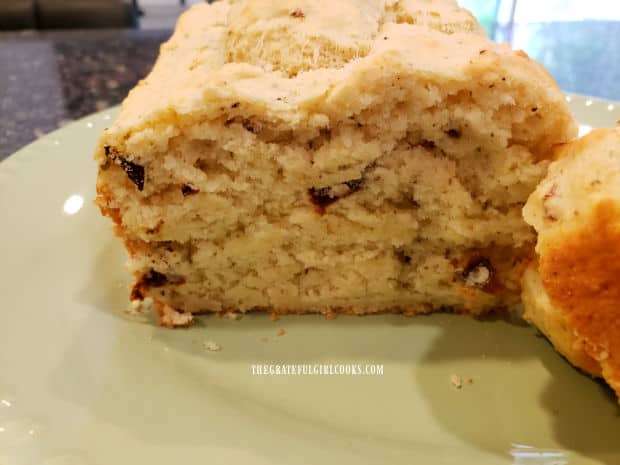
<point>174,318</point>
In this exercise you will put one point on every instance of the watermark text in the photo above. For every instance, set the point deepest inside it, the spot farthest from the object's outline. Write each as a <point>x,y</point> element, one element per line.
<point>317,369</point>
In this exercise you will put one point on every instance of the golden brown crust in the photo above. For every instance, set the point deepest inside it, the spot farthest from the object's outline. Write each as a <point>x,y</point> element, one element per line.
<point>103,200</point>
<point>165,311</point>
<point>551,320</point>
<point>581,272</point>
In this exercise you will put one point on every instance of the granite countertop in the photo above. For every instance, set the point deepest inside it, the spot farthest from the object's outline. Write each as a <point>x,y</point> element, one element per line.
<point>50,78</point>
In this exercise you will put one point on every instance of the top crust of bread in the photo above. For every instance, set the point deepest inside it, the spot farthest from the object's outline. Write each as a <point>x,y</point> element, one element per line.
<point>305,64</point>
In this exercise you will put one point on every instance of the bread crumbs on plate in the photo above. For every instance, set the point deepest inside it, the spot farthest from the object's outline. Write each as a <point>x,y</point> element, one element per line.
<point>456,381</point>
<point>211,346</point>
<point>136,307</point>
<point>281,332</point>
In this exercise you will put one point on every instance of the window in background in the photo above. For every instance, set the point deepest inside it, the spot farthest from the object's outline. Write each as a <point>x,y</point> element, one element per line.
<point>578,41</point>
<point>486,12</point>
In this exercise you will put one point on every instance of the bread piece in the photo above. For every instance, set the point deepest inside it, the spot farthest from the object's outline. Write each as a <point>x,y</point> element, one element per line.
<point>312,156</point>
<point>573,293</point>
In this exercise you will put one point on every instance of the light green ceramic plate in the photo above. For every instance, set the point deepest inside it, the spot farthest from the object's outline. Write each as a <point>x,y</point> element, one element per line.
<point>83,383</point>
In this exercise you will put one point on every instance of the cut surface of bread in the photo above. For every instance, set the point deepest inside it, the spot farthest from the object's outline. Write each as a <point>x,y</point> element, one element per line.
<point>573,293</point>
<point>313,156</point>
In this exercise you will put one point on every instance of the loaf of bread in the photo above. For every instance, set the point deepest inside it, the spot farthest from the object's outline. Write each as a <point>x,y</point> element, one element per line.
<point>572,291</point>
<point>357,156</point>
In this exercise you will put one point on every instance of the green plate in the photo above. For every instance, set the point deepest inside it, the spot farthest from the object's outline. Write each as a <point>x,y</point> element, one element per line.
<point>84,383</point>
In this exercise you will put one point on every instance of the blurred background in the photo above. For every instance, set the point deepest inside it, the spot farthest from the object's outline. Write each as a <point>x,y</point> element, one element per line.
<point>63,59</point>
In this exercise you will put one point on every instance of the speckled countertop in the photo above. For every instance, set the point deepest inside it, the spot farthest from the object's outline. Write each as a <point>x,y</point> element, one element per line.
<point>50,78</point>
